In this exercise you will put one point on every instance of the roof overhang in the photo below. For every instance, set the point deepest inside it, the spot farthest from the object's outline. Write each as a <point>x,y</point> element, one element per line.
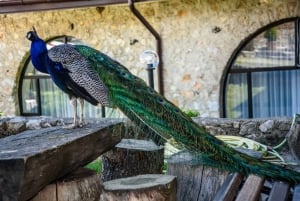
<point>14,6</point>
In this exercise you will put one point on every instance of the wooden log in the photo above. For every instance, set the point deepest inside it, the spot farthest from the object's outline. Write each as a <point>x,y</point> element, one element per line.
<point>150,187</point>
<point>31,160</point>
<point>82,184</point>
<point>132,157</point>
<point>194,181</point>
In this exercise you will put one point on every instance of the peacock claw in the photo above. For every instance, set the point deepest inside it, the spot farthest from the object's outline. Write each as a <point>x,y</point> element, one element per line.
<point>75,125</point>
<point>82,124</point>
<point>71,126</point>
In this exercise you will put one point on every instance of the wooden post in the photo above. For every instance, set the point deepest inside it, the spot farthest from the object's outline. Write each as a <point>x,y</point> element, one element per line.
<point>31,160</point>
<point>150,187</point>
<point>82,184</point>
<point>194,181</point>
<point>132,157</point>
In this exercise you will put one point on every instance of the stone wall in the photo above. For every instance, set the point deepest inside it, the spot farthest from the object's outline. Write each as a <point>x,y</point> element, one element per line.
<point>194,56</point>
<point>267,131</point>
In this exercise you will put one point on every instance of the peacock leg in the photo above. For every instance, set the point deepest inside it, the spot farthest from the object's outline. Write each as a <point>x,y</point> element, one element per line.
<point>81,120</point>
<point>75,118</point>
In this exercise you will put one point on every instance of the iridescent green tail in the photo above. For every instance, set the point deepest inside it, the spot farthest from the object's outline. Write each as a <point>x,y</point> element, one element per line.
<point>153,112</point>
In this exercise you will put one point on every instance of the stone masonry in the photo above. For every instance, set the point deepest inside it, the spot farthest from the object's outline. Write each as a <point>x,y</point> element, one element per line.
<point>267,131</point>
<point>194,56</point>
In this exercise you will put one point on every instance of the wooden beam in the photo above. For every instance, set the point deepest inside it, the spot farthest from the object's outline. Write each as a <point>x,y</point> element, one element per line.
<point>229,188</point>
<point>251,189</point>
<point>31,160</point>
<point>280,191</point>
<point>296,194</point>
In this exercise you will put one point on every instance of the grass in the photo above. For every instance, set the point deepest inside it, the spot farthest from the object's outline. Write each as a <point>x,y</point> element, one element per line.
<point>96,165</point>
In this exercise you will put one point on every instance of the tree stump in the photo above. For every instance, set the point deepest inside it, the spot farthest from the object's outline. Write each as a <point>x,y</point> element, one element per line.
<point>132,157</point>
<point>80,185</point>
<point>150,187</point>
<point>195,182</point>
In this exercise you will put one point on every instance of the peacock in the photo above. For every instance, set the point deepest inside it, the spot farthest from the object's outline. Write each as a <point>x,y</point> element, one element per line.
<point>87,74</point>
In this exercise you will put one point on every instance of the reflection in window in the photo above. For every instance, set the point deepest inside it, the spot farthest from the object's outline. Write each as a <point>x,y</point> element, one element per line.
<point>30,96</point>
<point>263,78</point>
<point>273,48</point>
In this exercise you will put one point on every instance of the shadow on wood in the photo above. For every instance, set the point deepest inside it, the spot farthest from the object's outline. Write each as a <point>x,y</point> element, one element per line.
<point>31,160</point>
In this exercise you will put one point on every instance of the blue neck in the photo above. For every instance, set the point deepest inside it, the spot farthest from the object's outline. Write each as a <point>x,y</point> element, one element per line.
<point>39,55</point>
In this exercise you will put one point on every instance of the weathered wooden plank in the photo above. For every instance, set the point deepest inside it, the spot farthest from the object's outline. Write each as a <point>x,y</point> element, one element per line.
<point>251,189</point>
<point>195,182</point>
<point>296,193</point>
<point>32,159</point>
<point>279,192</point>
<point>150,187</point>
<point>229,188</point>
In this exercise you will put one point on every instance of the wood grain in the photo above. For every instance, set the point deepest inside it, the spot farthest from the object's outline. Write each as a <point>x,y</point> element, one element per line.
<point>132,157</point>
<point>251,188</point>
<point>195,182</point>
<point>31,160</point>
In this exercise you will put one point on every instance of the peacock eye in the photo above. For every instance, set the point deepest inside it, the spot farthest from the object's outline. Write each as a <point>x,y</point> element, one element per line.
<point>160,100</point>
<point>28,35</point>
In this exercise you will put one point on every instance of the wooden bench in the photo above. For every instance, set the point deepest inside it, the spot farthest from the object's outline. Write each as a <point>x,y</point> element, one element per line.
<point>238,188</point>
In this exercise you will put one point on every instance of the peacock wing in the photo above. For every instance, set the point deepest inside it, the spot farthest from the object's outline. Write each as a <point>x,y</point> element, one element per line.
<point>82,79</point>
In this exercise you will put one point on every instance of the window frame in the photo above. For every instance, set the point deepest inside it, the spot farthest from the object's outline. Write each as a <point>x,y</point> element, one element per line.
<point>243,43</point>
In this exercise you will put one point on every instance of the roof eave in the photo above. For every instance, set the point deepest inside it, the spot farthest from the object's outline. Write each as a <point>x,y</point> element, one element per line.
<point>29,6</point>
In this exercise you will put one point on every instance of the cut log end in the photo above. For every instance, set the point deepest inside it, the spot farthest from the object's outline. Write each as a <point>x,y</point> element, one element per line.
<point>138,182</point>
<point>156,187</point>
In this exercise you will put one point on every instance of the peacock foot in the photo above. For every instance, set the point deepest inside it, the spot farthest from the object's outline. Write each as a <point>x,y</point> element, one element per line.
<point>82,124</point>
<point>71,126</point>
<point>74,125</point>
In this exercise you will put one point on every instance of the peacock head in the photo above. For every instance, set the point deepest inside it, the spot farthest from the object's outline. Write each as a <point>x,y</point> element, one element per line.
<point>32,35</point>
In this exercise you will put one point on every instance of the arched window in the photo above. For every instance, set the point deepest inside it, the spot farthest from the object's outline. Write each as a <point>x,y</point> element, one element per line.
<point>263,75</point>
<point>39,96</point>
